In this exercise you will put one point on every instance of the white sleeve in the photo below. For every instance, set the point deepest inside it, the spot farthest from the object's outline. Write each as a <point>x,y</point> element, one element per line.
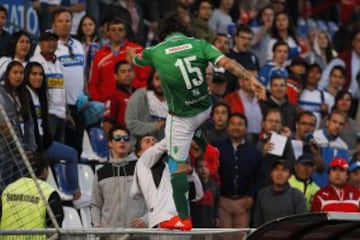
<point>199,192</point>
<point>152,155</point>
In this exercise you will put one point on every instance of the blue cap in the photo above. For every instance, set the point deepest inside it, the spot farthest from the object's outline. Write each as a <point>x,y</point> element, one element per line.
<point>354,166</point>
<point>279,73</point>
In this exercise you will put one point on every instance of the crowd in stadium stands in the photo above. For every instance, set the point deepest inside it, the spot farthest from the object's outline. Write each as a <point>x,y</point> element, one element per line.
<point>255,160</point>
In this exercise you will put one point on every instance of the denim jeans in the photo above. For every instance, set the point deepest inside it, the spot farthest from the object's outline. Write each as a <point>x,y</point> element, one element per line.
<point>57,128</point>
<point>60,152</point>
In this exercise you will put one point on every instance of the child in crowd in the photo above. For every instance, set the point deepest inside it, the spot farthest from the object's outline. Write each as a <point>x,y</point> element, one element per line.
<point>204,212</point>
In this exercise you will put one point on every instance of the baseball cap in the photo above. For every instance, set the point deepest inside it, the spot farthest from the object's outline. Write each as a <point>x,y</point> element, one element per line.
<point>339,162</point>
<point>354,166</point>
<point>306,158</point>
<point>283,162</point>
<point>48,34</point>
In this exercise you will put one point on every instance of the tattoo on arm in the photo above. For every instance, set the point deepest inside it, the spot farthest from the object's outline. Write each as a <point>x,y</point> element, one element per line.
<point>238,70</point>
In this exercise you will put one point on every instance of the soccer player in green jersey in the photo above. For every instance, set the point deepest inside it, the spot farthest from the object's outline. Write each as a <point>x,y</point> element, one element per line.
<point>181,63</point>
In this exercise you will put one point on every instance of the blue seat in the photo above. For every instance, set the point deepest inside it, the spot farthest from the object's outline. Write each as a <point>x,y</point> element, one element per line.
<point>60,177</point>
<point>322,25</point>
<point>99,142</point>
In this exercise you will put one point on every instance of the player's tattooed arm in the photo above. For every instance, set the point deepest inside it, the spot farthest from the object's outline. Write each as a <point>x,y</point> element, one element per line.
<point>234,68</point>
<point>239,71</point>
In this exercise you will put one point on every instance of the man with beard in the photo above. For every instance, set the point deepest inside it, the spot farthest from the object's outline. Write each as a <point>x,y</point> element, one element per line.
<point>147,110</point>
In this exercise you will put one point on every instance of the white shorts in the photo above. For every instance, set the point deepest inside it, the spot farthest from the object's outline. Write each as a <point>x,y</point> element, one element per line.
<point>179,132</point>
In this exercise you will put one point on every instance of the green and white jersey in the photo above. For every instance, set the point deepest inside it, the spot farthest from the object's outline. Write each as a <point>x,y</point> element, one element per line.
<point>181,63</point>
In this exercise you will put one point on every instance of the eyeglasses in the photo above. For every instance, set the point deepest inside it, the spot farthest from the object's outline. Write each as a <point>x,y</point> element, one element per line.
<point>118,138</point>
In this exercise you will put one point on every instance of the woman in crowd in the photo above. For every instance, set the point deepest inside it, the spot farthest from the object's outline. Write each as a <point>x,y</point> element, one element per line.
<point>322,51</point>
<point>88,35</point>
<point>56,151</point>
<point>335,83</point>
<point>262,34</point>
<point>14,99</point>
<point>283,29</point>
<point>18,49</point>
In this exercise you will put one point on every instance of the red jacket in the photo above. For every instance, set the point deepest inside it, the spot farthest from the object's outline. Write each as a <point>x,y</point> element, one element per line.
<point>102,81</point>
<point>327,200</point>
<point>115,106</point>
<point>234,101</point>
<point>211,156</point>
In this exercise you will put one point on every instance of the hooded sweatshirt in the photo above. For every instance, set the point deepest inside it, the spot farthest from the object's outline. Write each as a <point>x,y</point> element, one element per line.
<point>111,204</point>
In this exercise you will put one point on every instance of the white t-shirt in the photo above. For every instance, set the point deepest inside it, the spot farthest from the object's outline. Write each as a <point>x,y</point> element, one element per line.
<point>73,68</point>
<point>55,84</point>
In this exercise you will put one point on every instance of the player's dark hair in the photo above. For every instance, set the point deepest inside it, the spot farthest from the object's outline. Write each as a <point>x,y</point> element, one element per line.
<point>172,24</point>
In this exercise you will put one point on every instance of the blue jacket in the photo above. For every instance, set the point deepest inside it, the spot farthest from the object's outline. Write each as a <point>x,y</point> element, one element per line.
<point>241,170</point>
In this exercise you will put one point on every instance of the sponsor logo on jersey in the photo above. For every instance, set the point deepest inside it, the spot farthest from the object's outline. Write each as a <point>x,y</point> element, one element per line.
<point>76,60</point>
<point>178,48</point>
<point>55,80</point>
<point>194,101</point>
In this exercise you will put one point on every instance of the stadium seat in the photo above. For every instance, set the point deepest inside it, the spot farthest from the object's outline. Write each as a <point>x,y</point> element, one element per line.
<point>88,156</point>
<point>302,27</point>
<point>99,142</point>
<point>333,28</point>
<point>60,176</point>
<point>71,218</point>
<point>51,180</point>
<point>86,217</point>
<point>86,178</point>
<point>322,25</point>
